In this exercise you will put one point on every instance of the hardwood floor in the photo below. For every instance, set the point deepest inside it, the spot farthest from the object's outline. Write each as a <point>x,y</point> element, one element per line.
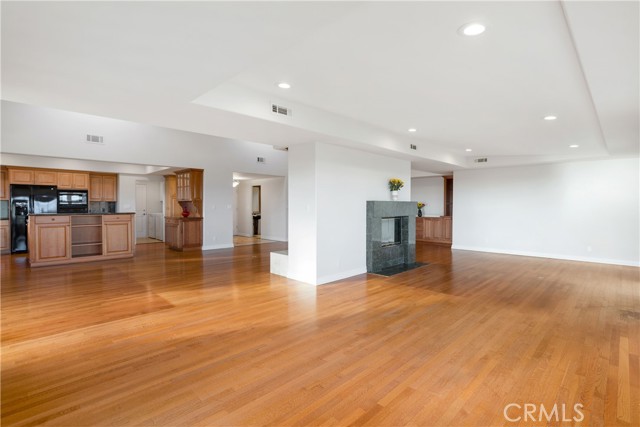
<point>171,338</point>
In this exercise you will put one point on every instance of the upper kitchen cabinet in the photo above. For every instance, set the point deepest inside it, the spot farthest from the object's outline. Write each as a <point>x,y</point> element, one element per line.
<point>45,177</point>
<point>4,184</point>
<point>33,176</point>
<point>172,208</point>
<point>189,189</point>
<point>21,176</point>
<point>73,180</point>
<point>102,188</point>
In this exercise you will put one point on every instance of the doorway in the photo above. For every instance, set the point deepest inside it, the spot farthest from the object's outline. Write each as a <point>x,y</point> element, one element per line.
<point>260,209</point>
<point>141,211</point>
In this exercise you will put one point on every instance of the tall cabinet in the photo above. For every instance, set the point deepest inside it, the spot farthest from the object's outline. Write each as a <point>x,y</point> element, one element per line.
<point>183,193</point>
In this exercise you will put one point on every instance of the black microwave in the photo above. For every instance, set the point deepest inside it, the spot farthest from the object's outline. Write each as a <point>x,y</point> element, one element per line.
<point>73,201</point>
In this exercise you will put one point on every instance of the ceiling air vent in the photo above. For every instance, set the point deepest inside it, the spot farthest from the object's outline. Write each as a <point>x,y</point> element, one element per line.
<point>261,160</point>
<point>481,160</point>
<point>279,109</point>
<point>94,139</point>
<point>281,148</point>
<point>413,146</point>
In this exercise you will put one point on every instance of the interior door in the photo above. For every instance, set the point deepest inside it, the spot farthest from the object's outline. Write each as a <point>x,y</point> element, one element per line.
<point>141,210</point>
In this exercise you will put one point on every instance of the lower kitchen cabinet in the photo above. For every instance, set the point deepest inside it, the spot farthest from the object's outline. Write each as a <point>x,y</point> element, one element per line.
<point>5,243</point>
<point>183,234</point>
<point>65,239</point>
<point>434,229</point>
<point>117,234</point>
<point>49,239</point>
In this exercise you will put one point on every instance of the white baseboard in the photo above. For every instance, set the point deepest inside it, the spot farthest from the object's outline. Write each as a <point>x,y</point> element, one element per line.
<point>546,255</point>
<point>274,238</point>
<point>339,276</point>
<point>222,246</point>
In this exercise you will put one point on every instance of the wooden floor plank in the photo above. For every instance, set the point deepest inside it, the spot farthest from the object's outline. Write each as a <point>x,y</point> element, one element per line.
<point>212,338</point>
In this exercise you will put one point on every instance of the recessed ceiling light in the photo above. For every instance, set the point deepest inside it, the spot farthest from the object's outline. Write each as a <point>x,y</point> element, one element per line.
<point>574,146</point>
<point>468,149</point>
<point>549,118</point>
<point>284,85</point>
<point>412,130</point>
<point>472,29</point>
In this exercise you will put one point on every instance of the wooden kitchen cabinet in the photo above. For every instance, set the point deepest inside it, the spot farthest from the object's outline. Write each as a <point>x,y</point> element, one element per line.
<point>434,229</point>
<point>5,245</point>
<point>20,176</point>
<point>45,177</point>
<point>189,189</point>
<point>68,180</point>
<point>117,235</point>
<point>4,184</point>
<point>67,239</point>
<point>102,188</point>
<point>182,234</point>
<point>172,207</point>
<point>49,239</point>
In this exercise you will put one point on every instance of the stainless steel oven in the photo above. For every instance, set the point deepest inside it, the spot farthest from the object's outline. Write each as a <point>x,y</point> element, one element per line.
<point>73,201</point>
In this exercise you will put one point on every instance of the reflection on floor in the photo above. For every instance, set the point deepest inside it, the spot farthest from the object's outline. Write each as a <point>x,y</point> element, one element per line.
<point>143,240</point>
<point>245,241</point>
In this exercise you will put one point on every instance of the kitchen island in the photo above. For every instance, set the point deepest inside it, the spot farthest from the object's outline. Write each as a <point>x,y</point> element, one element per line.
<point>70,238</point>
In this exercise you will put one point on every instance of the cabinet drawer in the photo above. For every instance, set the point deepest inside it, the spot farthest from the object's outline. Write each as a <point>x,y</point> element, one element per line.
<point>64,219</point>
<point>116,218</point>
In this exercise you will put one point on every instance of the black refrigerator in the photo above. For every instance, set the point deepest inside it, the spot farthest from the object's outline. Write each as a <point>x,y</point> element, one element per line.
<point>25,200</point>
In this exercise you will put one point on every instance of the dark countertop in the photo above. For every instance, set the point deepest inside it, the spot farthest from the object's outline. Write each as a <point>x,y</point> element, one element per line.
<point>82,214</point>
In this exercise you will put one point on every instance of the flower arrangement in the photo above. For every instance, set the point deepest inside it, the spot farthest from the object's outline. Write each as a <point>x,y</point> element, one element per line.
<point>395,184</point>
<point>421,205</point>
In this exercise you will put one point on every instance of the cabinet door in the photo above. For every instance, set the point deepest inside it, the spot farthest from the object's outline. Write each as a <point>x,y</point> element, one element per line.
<point>20,176</point>
<point>52,242</point>
<point>438,229</point>
<point>45,177</point>
<point>180,186</point>
<point>171,232</point>
<point>117,235</point>
<point>4,236</point>
<point>65,180</point>
<point>4,185</point>
<point>447,228</point>
<point>192,234</point>
<point>420,228</point>
<point>95,188</point>
<point>109,188</point>
<point>80,181</point>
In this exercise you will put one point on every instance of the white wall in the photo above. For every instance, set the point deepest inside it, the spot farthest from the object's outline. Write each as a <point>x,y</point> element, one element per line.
<point>587,211</point>
<point>303,262</point>
<point>48,132</point>
<point>429,190</point>
<point>338,183</point>
<point>273,222</point>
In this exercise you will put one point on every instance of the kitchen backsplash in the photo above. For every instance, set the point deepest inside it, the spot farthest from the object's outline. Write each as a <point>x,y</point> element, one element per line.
<point>102,207</point>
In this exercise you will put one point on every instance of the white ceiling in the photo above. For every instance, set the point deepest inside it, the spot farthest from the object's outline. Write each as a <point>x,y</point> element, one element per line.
<point>362,73</point>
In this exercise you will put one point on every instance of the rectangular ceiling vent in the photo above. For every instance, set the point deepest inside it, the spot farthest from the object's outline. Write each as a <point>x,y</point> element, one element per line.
<point>261,160</point>
<point>94,139</point>
<point>481,160</point>
<point>279,109</point>
<point>413,146</point>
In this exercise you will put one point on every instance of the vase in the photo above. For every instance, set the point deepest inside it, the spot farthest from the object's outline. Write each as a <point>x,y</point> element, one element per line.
<point>185,213</point>
<point>420,212</point>
<point>394,195</point>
